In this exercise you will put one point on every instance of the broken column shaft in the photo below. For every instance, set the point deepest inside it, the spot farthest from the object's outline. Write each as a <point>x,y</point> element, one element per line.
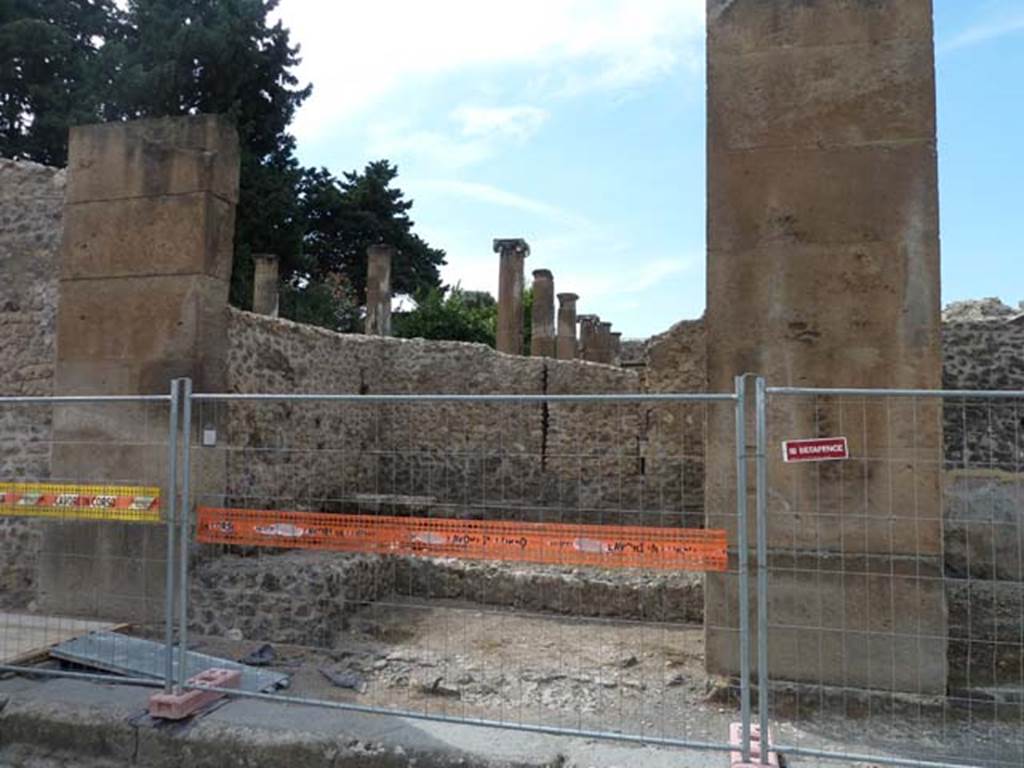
<point>604,343</point>
<point>566,344</point>
<point>378,289</point>
<point>265,296</point>
<point>542,334</point>
<point>588,337</point>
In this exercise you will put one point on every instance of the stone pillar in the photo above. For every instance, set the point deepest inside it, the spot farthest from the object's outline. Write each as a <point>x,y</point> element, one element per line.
<point>567,326</point>
<point>588,337</point>
<point>378,289</point>
<point>542,334</point>
<point>823,270</point>
<point>603,343</point>
<point>616,348</point>
<point>513,251</point>
<point>265,291</point>
<point>145,265</point>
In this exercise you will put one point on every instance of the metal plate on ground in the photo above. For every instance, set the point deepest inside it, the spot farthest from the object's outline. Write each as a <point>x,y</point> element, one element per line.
<point>24,636</point>
<point>136,657</point>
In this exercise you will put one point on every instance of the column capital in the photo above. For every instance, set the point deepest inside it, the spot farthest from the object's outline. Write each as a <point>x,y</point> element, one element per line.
<point>567,297</point>
<point>511,245</point>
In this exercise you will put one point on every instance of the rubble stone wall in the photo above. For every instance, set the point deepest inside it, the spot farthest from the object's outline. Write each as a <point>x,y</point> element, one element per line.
<point>596,462</point>
<point>31,221</point>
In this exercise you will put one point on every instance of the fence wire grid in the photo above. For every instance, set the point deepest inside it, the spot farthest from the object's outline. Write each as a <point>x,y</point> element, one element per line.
<point>507,636</point>
<point>892,580</point>
<point>642,568</point>
<point>85,510</point>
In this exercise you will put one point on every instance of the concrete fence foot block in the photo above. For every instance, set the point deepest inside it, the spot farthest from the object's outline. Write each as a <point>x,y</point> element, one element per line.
<point>178,706</point>
<point>736,740</point>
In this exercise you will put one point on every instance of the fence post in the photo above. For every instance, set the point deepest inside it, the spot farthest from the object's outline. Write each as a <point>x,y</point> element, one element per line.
<point>742,545</point>
<point>170,519</point>
<point>183,534</point>
<point>761,459</point>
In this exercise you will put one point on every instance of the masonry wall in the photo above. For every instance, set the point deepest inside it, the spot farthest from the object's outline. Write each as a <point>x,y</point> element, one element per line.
<point>557,461</point>
<point>31,221</point>
<point>984,501</point>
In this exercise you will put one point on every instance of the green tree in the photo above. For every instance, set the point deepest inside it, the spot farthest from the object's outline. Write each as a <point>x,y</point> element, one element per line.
<point>64,62</point>
<point>180,57</point>
<point>51,75</point>
<point>458,316</point>
<point>345,217</point>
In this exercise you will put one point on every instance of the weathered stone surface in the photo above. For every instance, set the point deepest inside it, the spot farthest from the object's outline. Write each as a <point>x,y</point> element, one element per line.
<point>822,219</point>
<point>125,326</point>
<point>542,327</point>
<point>986,633</point>
<point>647,596</point>
<point>746,26</point>
<point>796,196</point>
<point>265,284</point>
<point>823,96</point>
<point>498,460</point>
<point>295,597</point>
<point>512,253</point>
<point>31,220</point>
<point>875,622</point>
<point>139,321</point>
<point>187,234</point>
<point>566,343</point>
<point>378,289</point>
<point>153,158</point>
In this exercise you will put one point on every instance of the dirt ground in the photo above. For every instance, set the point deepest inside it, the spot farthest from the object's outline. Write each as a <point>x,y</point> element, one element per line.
<point>458,660</point>
<point>446,658</point>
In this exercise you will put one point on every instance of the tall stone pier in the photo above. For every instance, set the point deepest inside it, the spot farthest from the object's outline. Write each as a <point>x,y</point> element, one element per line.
<point>542,327</point>
<point>265,290</point>
<point>567,326</point>
<point>378,289</point>
<point>512,253</point>
<point>823,270</point>
<point>145,265</point>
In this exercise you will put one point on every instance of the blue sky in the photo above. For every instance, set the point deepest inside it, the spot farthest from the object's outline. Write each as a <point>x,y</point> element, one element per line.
<point>579,125</point>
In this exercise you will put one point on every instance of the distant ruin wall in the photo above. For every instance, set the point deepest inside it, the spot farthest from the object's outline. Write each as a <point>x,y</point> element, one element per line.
<point>31,221</point>
<point>550,461</point>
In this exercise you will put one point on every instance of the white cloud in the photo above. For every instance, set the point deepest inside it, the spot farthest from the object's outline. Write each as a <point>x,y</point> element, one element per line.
<point>358,53</point>
<point>984,32</point>
<point>517,122</point>
<point>486,193</point>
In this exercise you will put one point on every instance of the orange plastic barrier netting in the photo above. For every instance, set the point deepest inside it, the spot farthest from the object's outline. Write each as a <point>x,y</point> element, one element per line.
<point>608,546</point>
<point>123,503</point>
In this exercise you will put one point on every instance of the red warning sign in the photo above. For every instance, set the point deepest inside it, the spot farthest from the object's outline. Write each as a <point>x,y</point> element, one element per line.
<point>817,449</point>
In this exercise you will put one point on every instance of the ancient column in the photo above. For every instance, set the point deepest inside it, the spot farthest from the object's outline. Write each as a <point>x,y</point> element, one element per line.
<point>145,265</point>
<point>588,337</point>
<point>567,326</point>
<point>604,342</point>
<point>510,294</point>
<point>265,285</point>
<point>823,270</point>
<point>616,348</point>
<point>542,334</point>
<point>378,289</point>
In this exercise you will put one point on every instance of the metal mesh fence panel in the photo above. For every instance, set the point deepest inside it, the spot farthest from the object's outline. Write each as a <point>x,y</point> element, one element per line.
<point>893,575</point>
<point>84,521</point>
<point>535,562</point>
